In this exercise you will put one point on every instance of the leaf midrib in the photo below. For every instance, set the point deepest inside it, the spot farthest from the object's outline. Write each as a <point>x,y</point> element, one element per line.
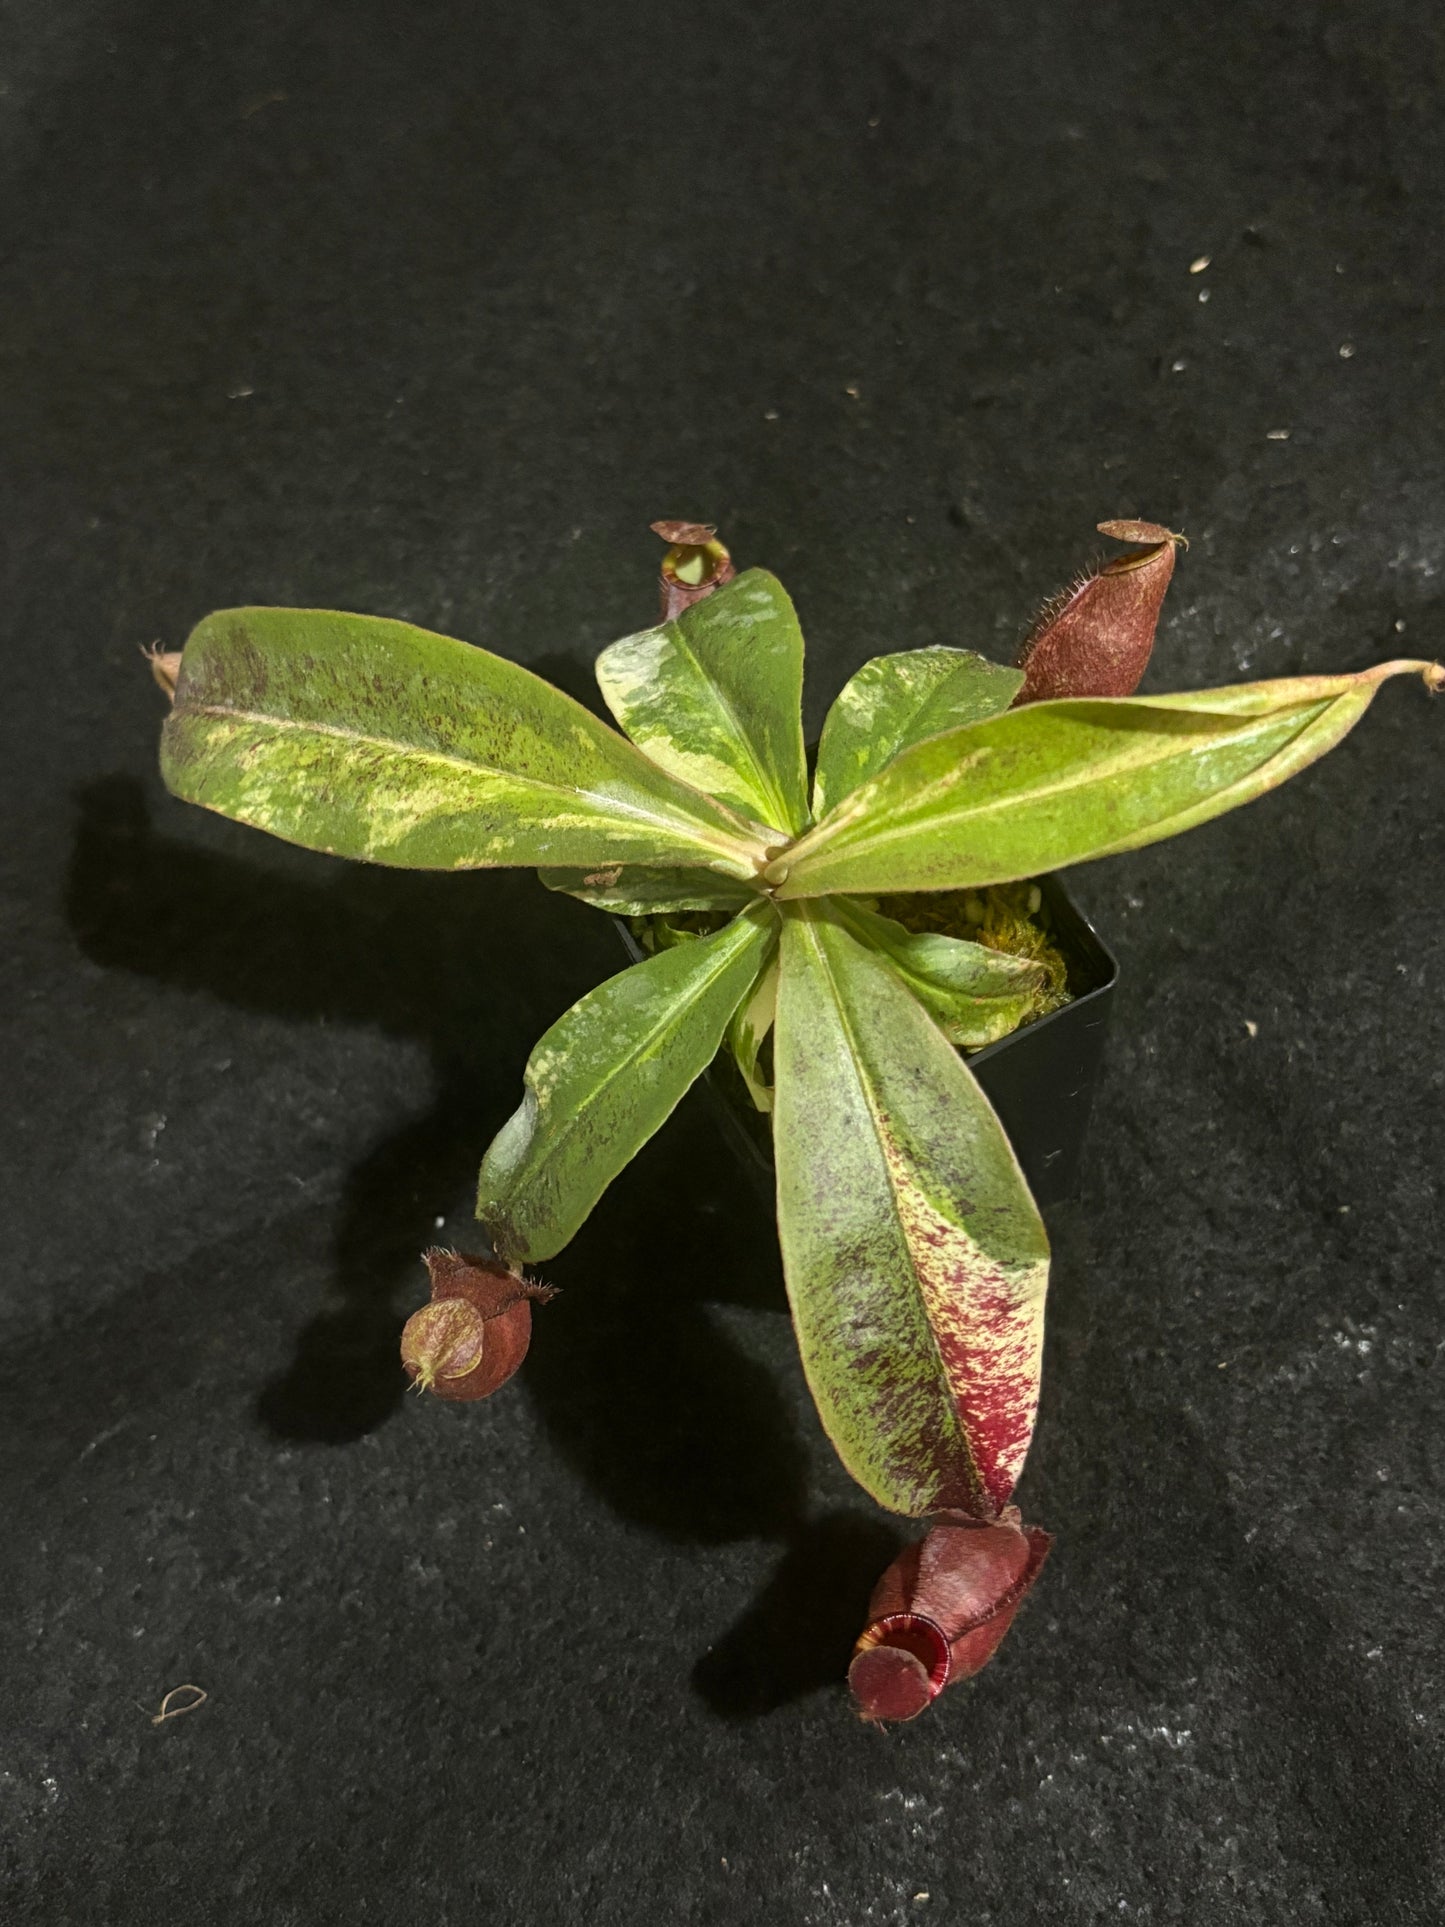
<point>686,997</point>
<point>469,767</point>
<point>867,843</point>
<point>852,918</point>
<point>874,1109</point>
<point>730,716</point>
<point>924,703</point>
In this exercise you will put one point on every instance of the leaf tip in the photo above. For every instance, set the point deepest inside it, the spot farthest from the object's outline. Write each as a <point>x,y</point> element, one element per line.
<point>1432,674</point>
<point>165,666</point>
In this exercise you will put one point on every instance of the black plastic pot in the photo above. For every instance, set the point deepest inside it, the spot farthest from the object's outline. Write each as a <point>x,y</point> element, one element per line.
<point>1040,1079</point>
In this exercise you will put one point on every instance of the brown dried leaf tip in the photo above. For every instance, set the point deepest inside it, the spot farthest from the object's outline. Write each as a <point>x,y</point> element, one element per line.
<point>1095,638</point>
<point>941,1610</point>
<point>696,563</point>
<point>165,667</point>
<point>474,1334</point>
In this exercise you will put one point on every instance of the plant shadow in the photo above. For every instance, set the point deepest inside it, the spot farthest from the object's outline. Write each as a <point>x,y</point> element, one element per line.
<point>797,1636</point>
<point>634,1376</point>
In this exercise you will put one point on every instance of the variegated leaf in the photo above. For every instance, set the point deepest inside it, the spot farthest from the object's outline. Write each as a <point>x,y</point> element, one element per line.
<point>715,698</point>
<point>1060,782</point>
<point>629,890</point>
<point>896,701</point>
<point>977,995</point>
<point>368,738</point>
<point>916,1260</point>
<point>605,1076</point>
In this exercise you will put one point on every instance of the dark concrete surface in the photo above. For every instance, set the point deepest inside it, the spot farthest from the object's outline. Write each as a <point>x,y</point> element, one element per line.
<point>427,311</point>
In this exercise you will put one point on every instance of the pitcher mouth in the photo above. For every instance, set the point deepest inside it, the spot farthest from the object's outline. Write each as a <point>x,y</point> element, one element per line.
<point>900,1665</point>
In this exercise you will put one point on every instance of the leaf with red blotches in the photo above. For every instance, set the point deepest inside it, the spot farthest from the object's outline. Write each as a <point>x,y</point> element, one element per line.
<point>915,1258</point>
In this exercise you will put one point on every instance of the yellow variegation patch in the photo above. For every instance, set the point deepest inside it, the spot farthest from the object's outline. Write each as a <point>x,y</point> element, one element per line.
<point>1062,782</point>
<point>605,1076</point>
<point>374,739</point>
<point>895,701</point>
<point>715,695</point>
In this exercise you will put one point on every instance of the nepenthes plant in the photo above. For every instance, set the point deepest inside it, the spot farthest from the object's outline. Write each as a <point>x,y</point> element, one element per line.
<point>847,934</point>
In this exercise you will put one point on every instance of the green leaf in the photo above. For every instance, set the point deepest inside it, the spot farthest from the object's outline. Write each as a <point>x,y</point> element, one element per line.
<point>748,1032</point>
<point>915,1258</point>
<point>896,701</point>
<point>715,698</point>
<point>977,994</point>
<point>605,1076</point>
<point>664,930</point>
<point>368,738</point>
<point>628,890</point>
<point>1060,782</point>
